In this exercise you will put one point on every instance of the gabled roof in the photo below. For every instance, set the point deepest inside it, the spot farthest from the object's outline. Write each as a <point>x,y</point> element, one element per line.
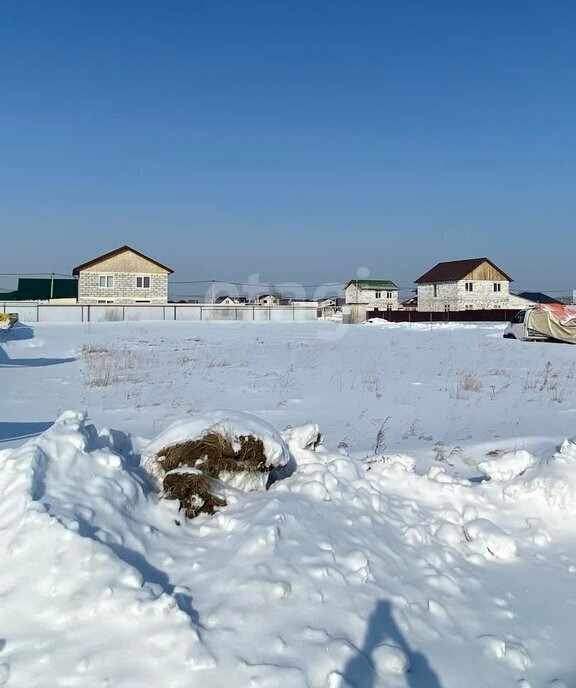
<point>117,252</point>
<point>42,289</point>
<point>372,284</point>
<point>537,297</point>
<point>236,299</point>
<point>455,270</point>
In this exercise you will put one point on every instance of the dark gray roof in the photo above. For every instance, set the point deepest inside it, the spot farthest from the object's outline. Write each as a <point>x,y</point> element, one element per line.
<point>537,297</point>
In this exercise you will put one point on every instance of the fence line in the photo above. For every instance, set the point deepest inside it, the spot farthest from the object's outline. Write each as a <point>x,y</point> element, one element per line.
<point>31,312</point>
<point>480,315</point>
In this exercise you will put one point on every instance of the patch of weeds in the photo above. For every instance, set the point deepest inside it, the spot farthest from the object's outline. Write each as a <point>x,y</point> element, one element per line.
<point>443,455</point>
<point>466,383</point>
<point>193,468</point>
<point>380,442</point>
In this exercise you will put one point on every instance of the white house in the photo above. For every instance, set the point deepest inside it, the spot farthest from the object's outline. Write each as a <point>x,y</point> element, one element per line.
<point>458,285</point>
<point>267,300</point>
<point>122,276</point>
<point>231,300</point>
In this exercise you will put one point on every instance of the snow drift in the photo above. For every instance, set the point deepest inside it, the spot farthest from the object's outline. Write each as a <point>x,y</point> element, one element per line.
<point>351,572</point>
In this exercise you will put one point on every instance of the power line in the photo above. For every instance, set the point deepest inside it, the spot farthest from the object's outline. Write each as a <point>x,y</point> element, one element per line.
<point>34,274</point>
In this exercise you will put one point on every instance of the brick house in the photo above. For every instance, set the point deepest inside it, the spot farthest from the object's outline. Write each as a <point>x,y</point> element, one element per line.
<point>122,276</point>
<point>363,295</point>
<point>381,294</point>
<point>458,285</point>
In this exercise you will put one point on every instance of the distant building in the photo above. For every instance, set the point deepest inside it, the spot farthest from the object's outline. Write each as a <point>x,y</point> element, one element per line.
<point>267,300</point>
<point>122,276</point>
<point>362,296</point>
<point>530,298</point>
<point>231,300</point>
<point>373,293</point>
<point>458,285</point>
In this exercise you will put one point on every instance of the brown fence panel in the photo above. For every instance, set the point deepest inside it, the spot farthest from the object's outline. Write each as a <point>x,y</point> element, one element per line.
<point>494,315</point>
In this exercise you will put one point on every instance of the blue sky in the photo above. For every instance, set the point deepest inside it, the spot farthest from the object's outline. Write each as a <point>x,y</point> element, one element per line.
<point>299,140</point>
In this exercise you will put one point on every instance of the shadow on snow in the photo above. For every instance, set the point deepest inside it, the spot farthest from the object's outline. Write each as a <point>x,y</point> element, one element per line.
<point>21,430</point>
<point>360,673</point>
<point>18,333</point>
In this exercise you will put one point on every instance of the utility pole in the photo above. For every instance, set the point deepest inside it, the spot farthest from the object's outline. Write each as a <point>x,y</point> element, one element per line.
<point>51,286</point>
<point>213,292</point>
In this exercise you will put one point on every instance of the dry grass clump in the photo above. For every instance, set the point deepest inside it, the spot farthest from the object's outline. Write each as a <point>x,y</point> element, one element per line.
<point>471,383</point>
<point>211,455</point>
<point>194,492</point>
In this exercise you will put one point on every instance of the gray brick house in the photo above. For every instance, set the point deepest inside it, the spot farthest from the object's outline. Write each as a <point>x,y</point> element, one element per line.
<point>363,295</point>
<point>122,276</point>
<point>458,285</point>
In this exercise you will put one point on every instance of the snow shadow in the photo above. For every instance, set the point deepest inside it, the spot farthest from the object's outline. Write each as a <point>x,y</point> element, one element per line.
<point>21,430</point>
<point>359,672</point>
<point>7,362</point>
<point>150,574</point>
<point>21,332</point>
<point>17,333</point>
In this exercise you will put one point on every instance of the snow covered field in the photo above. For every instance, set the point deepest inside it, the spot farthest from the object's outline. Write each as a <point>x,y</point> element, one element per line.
<point>426,543</point>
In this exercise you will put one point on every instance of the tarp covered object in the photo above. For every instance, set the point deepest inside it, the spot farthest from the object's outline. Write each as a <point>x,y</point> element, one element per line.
<point>554,320</point>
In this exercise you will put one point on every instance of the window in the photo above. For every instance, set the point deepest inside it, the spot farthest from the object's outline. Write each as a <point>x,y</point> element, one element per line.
<point>469,286</point>
<point>435,290</point>
<point>388,294</point>
<point>497,286</point>
<point>378,294</point>
<point>519,317</point>
<point>143,282</point>
<point>105,281</point>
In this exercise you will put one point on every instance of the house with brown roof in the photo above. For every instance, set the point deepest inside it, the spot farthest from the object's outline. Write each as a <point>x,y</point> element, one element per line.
<point>122,276</point>
<point>459,285</point>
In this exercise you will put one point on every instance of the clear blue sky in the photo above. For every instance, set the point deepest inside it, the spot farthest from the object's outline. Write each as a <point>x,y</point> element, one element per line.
<point>301,139</point>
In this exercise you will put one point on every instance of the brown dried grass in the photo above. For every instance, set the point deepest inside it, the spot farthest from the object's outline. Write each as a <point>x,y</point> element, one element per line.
<point>212,455</point>
<point>188,489</point>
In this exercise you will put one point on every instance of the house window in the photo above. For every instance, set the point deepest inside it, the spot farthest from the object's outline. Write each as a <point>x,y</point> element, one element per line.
<point>435,290</point>
<point>446,308</point>
<point>378,294</point>
<point>497,286</point>
<point>105,281</point>
<point>143,282</point>
<point>469,286</point>
<point>388,294</point>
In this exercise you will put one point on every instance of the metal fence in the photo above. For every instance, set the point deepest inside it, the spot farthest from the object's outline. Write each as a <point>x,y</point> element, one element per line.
<point>33,312</point>
<point>487,315</point>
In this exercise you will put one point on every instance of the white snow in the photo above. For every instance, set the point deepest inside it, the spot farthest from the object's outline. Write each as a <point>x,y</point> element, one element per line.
<point>422,538</point>
<point>508,465</point>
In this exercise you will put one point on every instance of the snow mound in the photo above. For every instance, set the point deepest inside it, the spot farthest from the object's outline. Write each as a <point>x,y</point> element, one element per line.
<point>507,466</point>
<point>488,537</point>
<point>551,480</point>
<point>199,461</point>
<point>390,659</point>
<point>231,424</point>
<point>402,462</point>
